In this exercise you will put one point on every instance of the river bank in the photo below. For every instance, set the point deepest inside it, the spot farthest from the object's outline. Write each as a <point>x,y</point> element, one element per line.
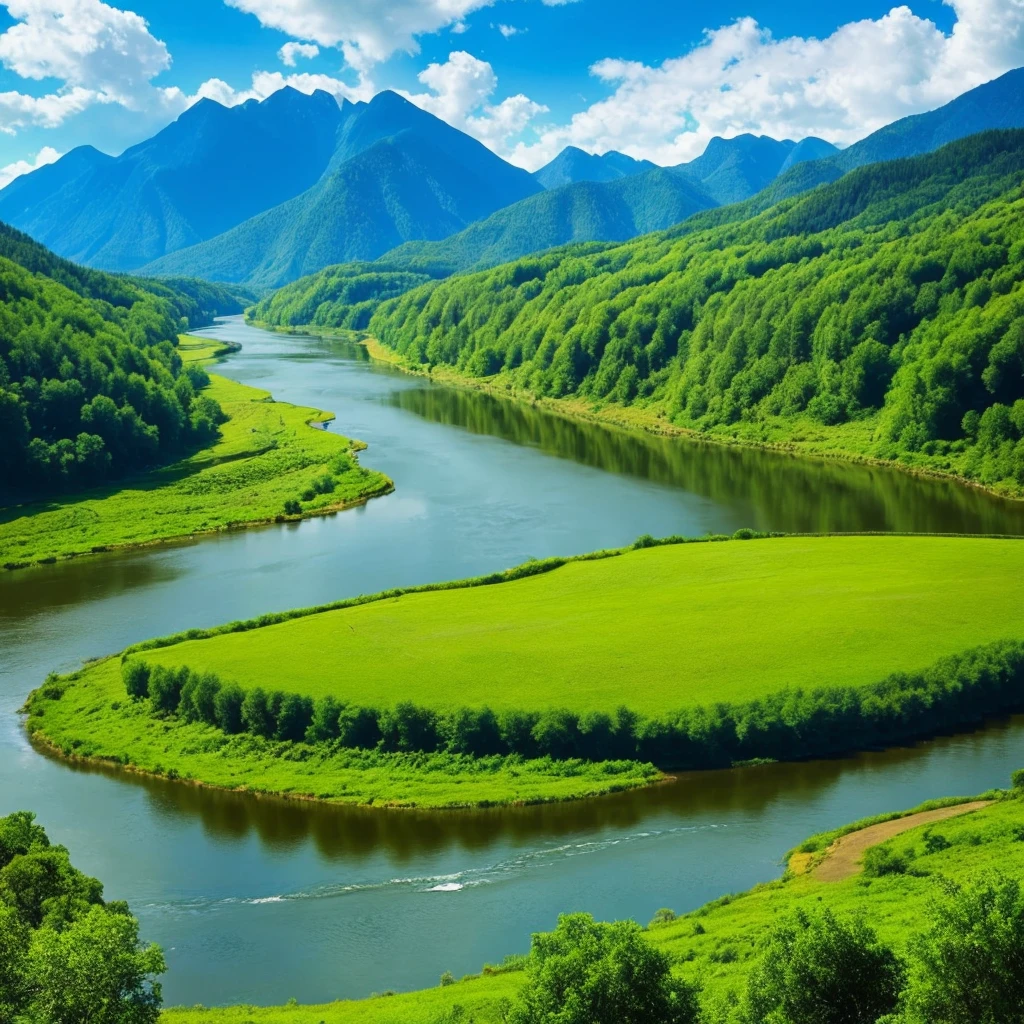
<point>267,454</point>
<point>802,438</point>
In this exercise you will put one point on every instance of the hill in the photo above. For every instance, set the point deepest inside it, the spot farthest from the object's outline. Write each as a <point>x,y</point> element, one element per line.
<point>881,314</point>
<point>423,179</point>
<point>91,384</point>
<point>208,171</point>
<point>573,165</point>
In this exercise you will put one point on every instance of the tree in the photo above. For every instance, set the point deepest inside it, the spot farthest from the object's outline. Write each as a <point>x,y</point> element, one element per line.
<point>95,971</point>
<point>817,969</point>
<point>969,969</point>
<point>585,972</point>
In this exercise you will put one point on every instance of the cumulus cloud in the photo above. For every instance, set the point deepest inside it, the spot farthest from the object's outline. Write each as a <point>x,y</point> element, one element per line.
<point>366,31</point>
<point>47,155</point>
<point>99,53</point>
<point>508,31</point>
<point>740,78</point>
<point>291,51</point>
<point>460,93</point>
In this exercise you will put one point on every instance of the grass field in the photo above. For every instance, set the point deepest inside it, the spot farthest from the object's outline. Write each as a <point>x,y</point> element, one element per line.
<point>656,629</point>
<point>266,454</point>
<point>716,943</point>
<point>93,719</point>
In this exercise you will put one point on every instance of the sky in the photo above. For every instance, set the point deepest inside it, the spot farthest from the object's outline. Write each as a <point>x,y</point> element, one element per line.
<point>653,78</point>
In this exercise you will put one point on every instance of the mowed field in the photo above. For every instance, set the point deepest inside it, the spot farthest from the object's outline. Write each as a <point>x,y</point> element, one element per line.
<point>656,629</point>
<point>267,453</point>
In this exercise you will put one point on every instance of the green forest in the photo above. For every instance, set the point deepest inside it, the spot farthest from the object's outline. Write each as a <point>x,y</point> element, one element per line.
<point>891,298</point>
<point>91,384</point>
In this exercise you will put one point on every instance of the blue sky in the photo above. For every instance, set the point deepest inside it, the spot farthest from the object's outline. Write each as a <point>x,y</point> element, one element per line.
<point>527,77</point>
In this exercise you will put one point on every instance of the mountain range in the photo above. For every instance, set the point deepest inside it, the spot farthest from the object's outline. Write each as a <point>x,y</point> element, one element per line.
<point>267,192</point>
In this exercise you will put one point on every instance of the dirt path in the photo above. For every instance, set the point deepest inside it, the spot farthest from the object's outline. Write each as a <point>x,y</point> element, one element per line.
<point>843,857</point>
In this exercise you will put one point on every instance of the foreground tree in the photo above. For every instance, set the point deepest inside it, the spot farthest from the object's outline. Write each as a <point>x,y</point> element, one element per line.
<point>969,969</point>
<point>66,956</point>
<point>585,972</point>
<point>817,969</point>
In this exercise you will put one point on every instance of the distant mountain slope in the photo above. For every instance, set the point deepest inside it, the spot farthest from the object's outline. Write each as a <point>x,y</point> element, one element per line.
<point>573,165</point>
<point>427,180</point>
<point>212,168</point>
<point>996,104</point>
<point>585,212</point>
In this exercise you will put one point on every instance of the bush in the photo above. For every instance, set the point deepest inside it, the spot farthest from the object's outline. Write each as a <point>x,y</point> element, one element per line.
<point>165,687</point>
<point>324,724</point>
<point>294,718</point>
<point>256,716</point>
<point>968,968</point>
<point>135,674</point>
<point>821,970</point>
<point>1017,779</point>
<point>883,860</point>
<point>589,973</point>
<point>293,507</point>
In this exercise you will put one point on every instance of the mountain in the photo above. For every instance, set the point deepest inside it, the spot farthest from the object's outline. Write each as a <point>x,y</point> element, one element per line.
<point>211,169</point>
<point>346,295</point>
<point>806,150</point>
<point>90,384</point>
<point>891,298</point>
<point>417,178</point>
<point>731,170</point>
<point>996,104</point>
<point>573,165</point>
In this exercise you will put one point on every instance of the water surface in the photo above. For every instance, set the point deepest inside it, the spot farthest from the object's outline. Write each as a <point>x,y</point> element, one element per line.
<point>261,900</point>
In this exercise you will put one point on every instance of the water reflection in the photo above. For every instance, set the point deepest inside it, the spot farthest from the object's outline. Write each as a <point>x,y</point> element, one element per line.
<point>807,494</point>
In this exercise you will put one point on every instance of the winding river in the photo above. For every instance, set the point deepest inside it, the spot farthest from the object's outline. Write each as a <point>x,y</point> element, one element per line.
<point>261,900</point>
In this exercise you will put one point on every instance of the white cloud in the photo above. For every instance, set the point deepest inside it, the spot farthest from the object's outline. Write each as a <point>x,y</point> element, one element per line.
<point>99,53</point>
<point>742,79</point>
<point>47,155</point>
<point>508,31</point>
<point>460,93</point>
<point>366,31</point>
<point>458,28</point>
<point>290,51</point>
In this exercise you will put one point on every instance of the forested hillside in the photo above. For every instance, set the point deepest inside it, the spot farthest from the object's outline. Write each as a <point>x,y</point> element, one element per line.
<point>91,386</point>
<point>892,299</point>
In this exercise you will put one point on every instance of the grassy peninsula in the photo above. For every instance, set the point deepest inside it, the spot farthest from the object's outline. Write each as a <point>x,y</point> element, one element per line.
<point>266,454</point>
<point>894,887</point>
<point>570,677</point>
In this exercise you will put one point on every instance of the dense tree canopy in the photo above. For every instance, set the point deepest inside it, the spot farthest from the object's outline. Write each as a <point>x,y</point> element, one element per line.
<point>91,385</point>
<point>65,954</point>
<point>893,295</point>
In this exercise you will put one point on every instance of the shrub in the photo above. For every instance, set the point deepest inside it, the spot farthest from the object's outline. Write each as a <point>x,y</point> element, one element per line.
<point>165,685</point>
<point>883,860</point>
<point>663,916</point>
<point>294,718</point>
<point>358,727</point>
<point>967,969</point>
<point>589,973</point>
<point>135,674</point>
<point>293,507</point>
<point>1017,779</point>
<point>821,970</point>
<point>324,724</point>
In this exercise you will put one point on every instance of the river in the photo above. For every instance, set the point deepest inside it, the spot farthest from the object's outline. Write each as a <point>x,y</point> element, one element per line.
<point>259,900</point>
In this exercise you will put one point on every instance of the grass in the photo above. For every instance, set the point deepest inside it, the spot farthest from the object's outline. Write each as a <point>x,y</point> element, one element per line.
<point>717,943</point>
<point>267,454</point>
<point>88,716</point>
<point>657,630</point>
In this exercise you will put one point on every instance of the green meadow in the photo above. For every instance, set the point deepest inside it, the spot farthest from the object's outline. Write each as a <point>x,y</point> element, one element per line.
<point>657,629</point>
<point>267,454</point>
<point>716,945</point>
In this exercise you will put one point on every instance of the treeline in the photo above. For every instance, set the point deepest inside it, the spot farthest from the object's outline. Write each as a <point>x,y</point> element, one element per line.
<point>65,954</point>
<point>895,294</point>
<point>342,296</point>
<point>956,691</point>
<point>91,384</point>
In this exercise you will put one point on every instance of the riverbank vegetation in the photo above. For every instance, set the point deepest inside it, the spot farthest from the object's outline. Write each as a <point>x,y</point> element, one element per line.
<point>264,463</point>
<point>66,954</point>
<point>525,683</point>
<point>875,317</point>
<point>928,930</point>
